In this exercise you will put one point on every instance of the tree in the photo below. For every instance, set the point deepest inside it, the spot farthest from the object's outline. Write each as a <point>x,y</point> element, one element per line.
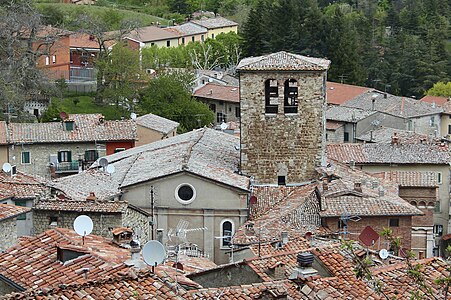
<point>440,89</point>
<point>169,96</point>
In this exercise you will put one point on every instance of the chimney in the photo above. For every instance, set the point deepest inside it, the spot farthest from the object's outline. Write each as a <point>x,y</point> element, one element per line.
<point>284,236</point>
<point>122,236</point>
<point>135,257</point>
<point>160,232</point>
<point>385,95</point>
<point>305,266</point>
<point>325,183</point>
<point>358,187</point>
<point>395,139</point>
<point>352,164</point>
<point>92,197</point>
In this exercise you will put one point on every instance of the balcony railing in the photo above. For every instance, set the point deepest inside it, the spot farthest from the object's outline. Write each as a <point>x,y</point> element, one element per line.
<point>82,74</point>
<point>67,167</point>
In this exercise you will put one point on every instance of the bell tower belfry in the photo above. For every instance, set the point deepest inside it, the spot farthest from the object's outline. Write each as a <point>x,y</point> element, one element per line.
<point>283,101</point>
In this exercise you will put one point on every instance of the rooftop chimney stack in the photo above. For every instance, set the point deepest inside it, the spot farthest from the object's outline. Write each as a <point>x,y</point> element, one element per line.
<point>284,236</point>
<point>358,187</point>
<point>395,139</point>
<point>305,266</point>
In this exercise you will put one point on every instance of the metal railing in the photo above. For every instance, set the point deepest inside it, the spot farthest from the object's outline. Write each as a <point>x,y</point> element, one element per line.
<point>67,167</point>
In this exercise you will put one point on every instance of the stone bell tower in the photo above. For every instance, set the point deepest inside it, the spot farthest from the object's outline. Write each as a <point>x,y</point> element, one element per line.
<point>283,101</point>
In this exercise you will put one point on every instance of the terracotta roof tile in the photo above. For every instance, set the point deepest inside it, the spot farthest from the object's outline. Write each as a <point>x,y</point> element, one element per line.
<point>283,61</point>
<point>86,128</point>
<point>219,92</point>
<point>20,186</point>
<point>9,211</point>
<point>435,99</point>
<point>151,33</point>
<point>339,93</point>
<point>333,125</point>
<point>81,205</point>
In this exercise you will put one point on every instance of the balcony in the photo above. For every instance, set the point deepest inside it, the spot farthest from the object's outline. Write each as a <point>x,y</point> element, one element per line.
<point>82,74</point>
<point>67,167</point>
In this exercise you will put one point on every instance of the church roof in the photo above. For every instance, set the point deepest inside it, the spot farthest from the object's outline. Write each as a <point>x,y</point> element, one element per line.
<point>283,61</point>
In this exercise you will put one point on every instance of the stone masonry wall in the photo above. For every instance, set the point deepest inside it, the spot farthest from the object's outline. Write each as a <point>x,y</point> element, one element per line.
<point>103,223</point>
<point>278,143</point>
<point>139,223</point>
<point>8,233</point>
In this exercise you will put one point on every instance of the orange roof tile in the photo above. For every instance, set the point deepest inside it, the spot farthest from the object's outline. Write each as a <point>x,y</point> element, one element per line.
<point>219,92</point>
<point>435,99</point>
<point>9,211</point>
<point>339,93</point>
<point>20,185</point>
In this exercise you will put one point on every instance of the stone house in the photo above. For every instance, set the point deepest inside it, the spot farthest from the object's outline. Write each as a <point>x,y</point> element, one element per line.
<point>21,190</point>
<point>223,100</point>
<point>152,35</point>
<point>151,128</point>
<point>61,148</point>
<point>394,157</point>
<point>188,183</point>
<point>385,135</point>
<point>8,224</point>
<point>418,116</point>
<point>216,25</point>
<point>283,101</point>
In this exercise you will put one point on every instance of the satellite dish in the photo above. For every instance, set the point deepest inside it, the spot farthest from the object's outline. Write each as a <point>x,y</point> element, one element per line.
<point>103,162</point>
<point>6,167</point>
<point>133,116</point>
<point>83,225</point>
<point>224,126</point>
<point>383,253</point>
<point>153,253</point>
<point>110,169</point>
<point>64,115</point>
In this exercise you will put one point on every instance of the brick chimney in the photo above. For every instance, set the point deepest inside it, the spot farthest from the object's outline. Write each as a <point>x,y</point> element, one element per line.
<point>92,197</point>
<point>395,139</point>
<point>304,268</point>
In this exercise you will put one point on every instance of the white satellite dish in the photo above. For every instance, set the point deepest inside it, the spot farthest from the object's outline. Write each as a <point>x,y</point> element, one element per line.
<point>153,253</point>
<point>103,162</point>
<point>6,167</point>
<point>383,253</point>
<point>110,169</point>
<point>133,116</point>
<point>83,225</point>
<point>224,126</point>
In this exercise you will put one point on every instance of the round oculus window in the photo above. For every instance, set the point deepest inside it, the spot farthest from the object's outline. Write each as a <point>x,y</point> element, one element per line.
<point>185,193</point>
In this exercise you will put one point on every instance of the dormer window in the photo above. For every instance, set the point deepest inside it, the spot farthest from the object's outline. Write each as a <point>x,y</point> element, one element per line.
<point>291,96</point>
<point>271,96</point>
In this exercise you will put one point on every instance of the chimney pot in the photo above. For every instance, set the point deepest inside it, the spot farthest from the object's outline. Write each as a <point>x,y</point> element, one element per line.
<point>305,259</point>
<point>358,186</point>
<point>284,236</point>
<point>395,139</point>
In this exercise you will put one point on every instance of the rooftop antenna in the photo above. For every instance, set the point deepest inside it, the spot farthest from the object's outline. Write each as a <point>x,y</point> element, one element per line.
<point>83,226</point>
<point>153,253</point>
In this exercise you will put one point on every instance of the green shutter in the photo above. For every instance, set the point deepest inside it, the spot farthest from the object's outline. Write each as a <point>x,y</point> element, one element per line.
<point>69,156</point>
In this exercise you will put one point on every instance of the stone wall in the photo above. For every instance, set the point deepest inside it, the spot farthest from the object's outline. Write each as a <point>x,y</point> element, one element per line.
<point>290,145</point>
<point>6,288</point>
<point>138,220</point>
<point>8,233</point>
<point>103,223</point>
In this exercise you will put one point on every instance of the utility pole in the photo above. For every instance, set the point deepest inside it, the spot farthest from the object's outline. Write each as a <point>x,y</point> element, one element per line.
<point>152,204</point>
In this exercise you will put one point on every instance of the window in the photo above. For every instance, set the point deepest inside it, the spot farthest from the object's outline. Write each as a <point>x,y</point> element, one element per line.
<point>183,40</point>
<point>281,180</point>
<point>437,207</point>
<point>185,193</point>
<point>119,150</point>
<point>393,223</point>
<point>152,44</point>
<point>220,117</point>
<point>432,121</point>
<point>168,44</point>
<point>291,96</point>
<point>54,59</point>
<point>449,129</point>
<point>202,37</point>
<point>212,35</point>
<point>213,107</point>
<point>237,112</point>
<point>53,221</point>
<point>192,39</point>
<point>47,60</point>
<point>21,203</point>
<point>271,96</point>
<point>438,230</point>
<point>439,177</point>
<point>64,156</point>
<point>91,155</point>
<point>26,157</point>
<point>346,137</point>
<point>227,230</point>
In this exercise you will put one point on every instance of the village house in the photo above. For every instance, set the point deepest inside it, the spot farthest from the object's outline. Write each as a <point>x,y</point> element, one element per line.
<point>152,35</point>
<point>395,157</point>
<point>61,148</point>
<point>216,26</point>
<point>174,180</point>
<point>418,116</point>
<point>8,224</point>
<point>21,190</point>
<point>385,135</point>
<point>340,93</point>
<point>223,100</point>
<point>151,128</point>
<point>188,32</point>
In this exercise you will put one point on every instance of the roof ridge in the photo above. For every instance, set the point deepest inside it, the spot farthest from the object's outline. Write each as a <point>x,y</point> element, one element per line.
<point>187,157</point>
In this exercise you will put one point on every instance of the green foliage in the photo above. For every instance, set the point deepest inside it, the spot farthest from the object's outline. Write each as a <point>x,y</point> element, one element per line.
<point>440,89</point>
<point>169,97</point>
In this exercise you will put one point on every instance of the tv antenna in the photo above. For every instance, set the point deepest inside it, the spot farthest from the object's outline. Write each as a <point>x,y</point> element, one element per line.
<point>153,253</point>
<point>83,226</point>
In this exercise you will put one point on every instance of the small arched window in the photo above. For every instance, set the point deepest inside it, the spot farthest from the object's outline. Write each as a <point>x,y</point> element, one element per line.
<point>227,231</point>
<point>291,96</point>
<point>271,96</point>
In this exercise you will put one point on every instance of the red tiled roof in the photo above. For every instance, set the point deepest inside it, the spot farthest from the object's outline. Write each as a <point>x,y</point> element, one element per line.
<point>410,178</point>
<point>333,125</point>
<point>20,186</point>
<point>86,128</point>
<point>81,205</point>
<point>32,263</point>
<point>339,93</point>
<point>435,99</point>
<point>219,92</point>
<point>9,211</point>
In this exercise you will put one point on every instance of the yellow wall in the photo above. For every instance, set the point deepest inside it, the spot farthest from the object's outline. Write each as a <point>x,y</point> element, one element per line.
<point>217,31</point>
<point>445,122</point>
<point>146,135</point>
<point>162,43</point>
